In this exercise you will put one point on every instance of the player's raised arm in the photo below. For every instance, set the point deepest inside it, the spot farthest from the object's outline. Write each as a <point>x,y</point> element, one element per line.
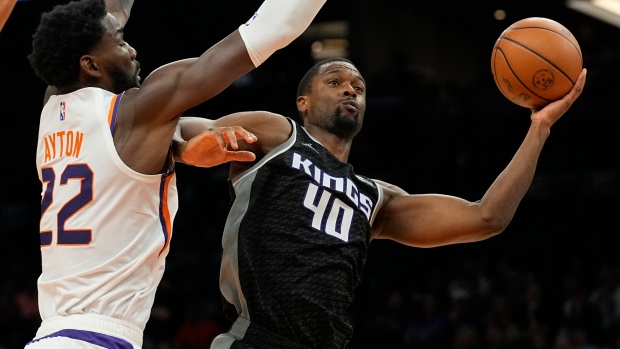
<point>176,87</point>
<point>435,220</point>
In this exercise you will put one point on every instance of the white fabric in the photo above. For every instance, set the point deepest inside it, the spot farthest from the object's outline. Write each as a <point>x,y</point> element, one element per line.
<point>222,341</point>
<point>93,323</point>
<point>237,332</point>
<point>115,274</point>
<point>47,338</point>
<point>276,24</point>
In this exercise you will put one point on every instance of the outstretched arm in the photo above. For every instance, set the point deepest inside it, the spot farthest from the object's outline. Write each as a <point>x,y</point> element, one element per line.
<point>435,220</point>
<point>148,115</point>
<point>179,86</point>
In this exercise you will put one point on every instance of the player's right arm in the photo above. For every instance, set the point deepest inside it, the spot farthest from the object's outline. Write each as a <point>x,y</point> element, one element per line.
<point>179,86</point>
<point>148,116</point>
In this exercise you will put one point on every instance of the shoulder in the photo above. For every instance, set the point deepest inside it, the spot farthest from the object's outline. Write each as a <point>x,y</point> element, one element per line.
<point>389,190</point>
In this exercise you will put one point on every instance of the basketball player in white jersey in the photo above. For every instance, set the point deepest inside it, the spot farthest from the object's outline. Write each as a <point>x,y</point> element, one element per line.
<point>105,163</point>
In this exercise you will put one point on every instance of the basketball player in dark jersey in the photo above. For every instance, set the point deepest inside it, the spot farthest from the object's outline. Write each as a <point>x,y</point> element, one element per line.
<point>296,237</point>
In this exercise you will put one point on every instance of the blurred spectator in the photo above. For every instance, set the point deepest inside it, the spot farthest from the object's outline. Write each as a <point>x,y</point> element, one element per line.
<point>429,327</point>
<point>502,328</point>
<point>605,299</point>
<point>466,338</point>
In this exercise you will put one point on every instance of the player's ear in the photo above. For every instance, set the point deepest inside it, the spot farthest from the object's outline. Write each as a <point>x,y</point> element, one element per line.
<point>302,104</point>
<point>90,66</point>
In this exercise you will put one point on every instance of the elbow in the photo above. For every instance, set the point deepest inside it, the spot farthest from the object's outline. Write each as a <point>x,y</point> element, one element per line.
<point>496,226</point>
<point>493,224</point>
<point>493,230</point>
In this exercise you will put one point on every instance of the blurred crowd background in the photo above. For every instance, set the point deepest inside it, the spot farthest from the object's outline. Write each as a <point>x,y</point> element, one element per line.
<point>435,123</point>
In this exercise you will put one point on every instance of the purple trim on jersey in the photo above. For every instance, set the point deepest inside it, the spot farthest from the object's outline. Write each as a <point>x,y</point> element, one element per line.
<point>116,103</point>
<point>100,339</point>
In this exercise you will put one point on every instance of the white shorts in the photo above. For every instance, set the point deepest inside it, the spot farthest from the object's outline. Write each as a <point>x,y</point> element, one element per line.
<point>79,339</point>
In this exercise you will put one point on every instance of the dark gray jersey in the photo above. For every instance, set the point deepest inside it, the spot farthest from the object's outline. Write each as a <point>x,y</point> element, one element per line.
<point>295,244</point>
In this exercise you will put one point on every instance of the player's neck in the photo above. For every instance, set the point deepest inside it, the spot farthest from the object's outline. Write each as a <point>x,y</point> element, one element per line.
<point>339,147</point>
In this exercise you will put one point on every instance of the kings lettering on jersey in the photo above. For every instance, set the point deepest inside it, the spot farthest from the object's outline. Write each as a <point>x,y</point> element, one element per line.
<point>342,185</point>
<point>63,143</point>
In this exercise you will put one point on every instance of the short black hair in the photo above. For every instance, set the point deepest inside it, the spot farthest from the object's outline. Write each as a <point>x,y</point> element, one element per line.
<point>305,85</point>
<point>65,34</point>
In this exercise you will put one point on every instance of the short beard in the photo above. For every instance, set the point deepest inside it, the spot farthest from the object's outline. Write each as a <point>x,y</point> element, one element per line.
<point>122,81</point>
<point>343,126</point>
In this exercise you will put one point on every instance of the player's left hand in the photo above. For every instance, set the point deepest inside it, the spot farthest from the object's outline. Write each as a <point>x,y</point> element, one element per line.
<point>553,111</point>
<point>211,148</point>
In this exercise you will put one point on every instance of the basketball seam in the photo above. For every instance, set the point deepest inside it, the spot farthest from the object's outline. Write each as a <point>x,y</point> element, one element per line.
<point>553,31</point>
<point>541,56</point>
<point>495,70</point>
<point>517,77</point>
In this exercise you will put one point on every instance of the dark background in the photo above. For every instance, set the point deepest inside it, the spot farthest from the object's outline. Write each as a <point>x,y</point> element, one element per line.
<point>435,123</point>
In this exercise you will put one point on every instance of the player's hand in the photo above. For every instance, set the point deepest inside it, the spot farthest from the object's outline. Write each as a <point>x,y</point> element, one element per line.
<point>211,148</point>
<point>553,111</point>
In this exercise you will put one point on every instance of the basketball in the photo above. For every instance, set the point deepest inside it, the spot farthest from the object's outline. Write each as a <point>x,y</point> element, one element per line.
<point>536,61</point>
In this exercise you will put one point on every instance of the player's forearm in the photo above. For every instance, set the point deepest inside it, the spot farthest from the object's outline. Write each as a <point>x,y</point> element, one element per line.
<point>276,24</point>
<point>501,200</point>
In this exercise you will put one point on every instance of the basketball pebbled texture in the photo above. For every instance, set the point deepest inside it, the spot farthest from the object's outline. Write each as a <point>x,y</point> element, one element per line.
<point>536,61</point>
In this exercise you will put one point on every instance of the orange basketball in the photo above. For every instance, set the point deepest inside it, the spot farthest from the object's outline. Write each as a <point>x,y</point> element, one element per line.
<point>536,61</point>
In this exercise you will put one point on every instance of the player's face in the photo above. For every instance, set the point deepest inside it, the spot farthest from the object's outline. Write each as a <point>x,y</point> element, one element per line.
<point>119,64</point>
<point>338,99</point>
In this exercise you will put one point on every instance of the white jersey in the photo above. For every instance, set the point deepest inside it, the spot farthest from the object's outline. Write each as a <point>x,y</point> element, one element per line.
<point>105,229</point>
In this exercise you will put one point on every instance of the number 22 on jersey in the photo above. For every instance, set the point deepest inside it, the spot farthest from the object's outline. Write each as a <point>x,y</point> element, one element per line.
<point>76,172</point>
